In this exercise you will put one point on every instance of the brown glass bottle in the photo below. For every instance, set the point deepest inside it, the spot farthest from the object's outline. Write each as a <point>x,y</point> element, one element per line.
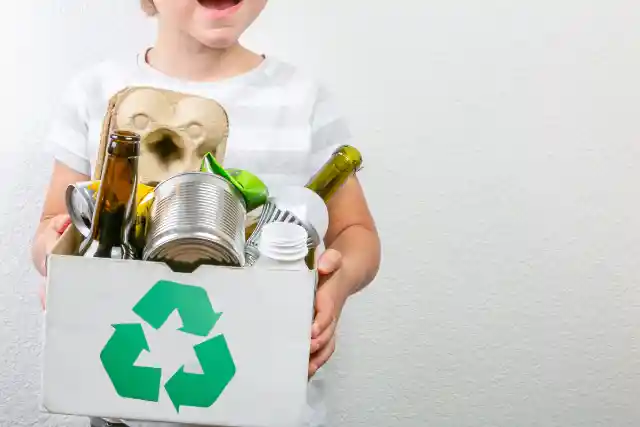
<point>343,163</point>
<point>113,224</point>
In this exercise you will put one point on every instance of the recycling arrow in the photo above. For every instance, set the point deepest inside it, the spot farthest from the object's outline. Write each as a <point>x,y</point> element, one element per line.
<point>198,318</point>
<point>118,358</point>
<point>202,390</point>
<point>192,303</point>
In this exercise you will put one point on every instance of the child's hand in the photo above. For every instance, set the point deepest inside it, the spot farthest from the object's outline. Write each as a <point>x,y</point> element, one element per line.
<point>50,236</point>
<point>48,239</point>
<point>329,303</point>
<point>59,224</point>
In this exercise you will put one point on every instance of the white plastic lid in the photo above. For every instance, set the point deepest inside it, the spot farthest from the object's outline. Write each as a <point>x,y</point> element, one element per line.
<point>283,241</point>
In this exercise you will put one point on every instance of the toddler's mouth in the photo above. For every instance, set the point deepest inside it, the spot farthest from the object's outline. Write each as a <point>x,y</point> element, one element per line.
<point>219,4</point>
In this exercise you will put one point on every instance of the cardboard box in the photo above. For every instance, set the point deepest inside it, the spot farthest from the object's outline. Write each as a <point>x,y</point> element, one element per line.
<point>134,340</point>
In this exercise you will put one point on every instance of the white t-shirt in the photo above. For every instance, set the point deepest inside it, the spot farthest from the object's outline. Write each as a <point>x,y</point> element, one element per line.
<point>282,127</point>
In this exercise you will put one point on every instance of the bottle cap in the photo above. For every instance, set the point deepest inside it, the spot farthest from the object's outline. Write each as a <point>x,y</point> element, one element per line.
<point>283,241</point>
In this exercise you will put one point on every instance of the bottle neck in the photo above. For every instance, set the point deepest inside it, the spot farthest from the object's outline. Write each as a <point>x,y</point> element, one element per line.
<point>114,200</point>
<point>344,162</point>
<point>124,144</point>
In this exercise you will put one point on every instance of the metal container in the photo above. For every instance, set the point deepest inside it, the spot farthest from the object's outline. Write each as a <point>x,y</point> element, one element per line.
<point>81,205</point>
<point>272,213</point>
<point>196,218</point>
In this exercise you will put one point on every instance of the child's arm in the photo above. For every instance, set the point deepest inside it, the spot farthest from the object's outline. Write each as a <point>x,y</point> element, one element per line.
<point>350,263</point>
<point>54,213</point>
<point>352,233</point>
<point>352,258</point>
<point>67,140</point>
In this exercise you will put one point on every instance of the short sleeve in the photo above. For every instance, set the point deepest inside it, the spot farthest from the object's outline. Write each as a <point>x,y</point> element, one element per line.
<point>329,129</point>
<point>67,135</point>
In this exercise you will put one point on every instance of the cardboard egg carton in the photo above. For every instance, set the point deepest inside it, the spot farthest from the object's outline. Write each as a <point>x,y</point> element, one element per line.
<point>176,130</point>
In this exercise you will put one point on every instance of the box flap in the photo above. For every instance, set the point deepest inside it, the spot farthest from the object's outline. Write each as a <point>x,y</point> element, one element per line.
<point>69,242</point>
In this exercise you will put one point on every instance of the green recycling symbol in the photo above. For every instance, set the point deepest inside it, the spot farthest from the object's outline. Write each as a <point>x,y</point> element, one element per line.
<point>198,318</point>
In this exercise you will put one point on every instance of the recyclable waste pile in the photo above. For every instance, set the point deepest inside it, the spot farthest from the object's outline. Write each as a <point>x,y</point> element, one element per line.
<point>213,216</point>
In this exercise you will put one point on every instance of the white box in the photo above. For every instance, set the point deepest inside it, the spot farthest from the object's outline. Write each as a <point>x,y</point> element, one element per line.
<point>111,319</point>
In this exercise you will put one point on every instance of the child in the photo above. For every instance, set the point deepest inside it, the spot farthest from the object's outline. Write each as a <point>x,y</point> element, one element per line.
<point>268,102</point>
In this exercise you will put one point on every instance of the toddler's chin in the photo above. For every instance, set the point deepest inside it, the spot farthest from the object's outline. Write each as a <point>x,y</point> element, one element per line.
<point>220,40</point>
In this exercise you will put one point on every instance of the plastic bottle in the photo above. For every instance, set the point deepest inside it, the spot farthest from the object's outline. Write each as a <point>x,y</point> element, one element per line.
<point>306,205</point>
<point>282,245</point>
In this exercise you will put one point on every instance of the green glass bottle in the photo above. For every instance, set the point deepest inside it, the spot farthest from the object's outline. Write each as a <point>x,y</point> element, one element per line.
<point>343,163</point>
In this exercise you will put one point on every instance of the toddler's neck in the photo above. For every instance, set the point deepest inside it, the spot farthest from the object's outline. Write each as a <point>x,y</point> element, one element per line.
<point>195,62</point>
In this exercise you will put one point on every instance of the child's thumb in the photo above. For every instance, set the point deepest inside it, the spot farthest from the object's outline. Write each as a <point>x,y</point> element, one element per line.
<point>330,261</point>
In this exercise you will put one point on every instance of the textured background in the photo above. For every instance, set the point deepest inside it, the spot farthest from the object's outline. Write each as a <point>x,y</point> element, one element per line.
<point>502,165</point>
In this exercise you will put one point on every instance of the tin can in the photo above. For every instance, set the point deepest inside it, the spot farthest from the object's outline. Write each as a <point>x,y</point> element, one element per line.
<point>196,218</point>
<point>80,199</point>
<point>81,203</point>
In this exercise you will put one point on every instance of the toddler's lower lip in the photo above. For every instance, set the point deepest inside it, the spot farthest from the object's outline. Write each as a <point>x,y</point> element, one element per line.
<point>219,5</point>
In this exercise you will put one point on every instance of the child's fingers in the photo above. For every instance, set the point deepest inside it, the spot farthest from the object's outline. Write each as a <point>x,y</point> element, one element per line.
<point>60,223</point>
<point>64,226</point>
<point>325,314</point>
<point>323,339</point>
<point>322,321</point>
<point>322,357</point>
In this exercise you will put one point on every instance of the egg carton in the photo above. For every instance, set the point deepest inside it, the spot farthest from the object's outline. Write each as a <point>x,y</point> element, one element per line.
<point>176,130</point>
